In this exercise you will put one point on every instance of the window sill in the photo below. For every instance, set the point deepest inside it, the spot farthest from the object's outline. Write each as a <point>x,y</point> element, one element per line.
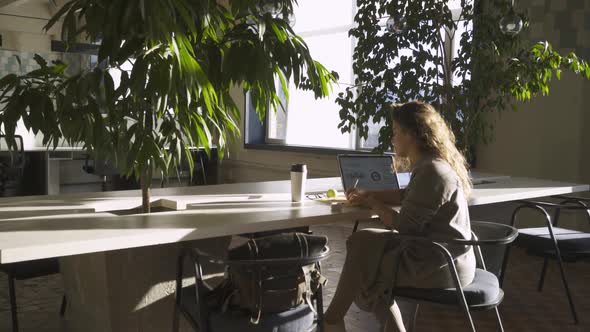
<point>303,149</point>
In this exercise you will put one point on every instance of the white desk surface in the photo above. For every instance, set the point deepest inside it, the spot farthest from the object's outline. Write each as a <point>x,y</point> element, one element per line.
<point>38,227</point>
<point>75,148</point>
<point>57,149</point>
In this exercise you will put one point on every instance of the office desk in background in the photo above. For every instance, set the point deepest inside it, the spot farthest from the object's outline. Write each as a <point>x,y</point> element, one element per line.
<point>51,172</point>
<point>42,169</point>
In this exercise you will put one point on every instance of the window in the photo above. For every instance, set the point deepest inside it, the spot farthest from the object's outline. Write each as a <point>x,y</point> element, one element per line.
<point>308,122</point>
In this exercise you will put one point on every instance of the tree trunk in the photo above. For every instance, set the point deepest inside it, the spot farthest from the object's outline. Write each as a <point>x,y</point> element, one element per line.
<point>145,192</point>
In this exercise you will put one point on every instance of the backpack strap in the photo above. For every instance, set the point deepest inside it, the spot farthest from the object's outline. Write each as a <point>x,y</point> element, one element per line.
<point>307,270</point>
<point>253,249</point>
<point>257,312</point>
<point>303,245</point>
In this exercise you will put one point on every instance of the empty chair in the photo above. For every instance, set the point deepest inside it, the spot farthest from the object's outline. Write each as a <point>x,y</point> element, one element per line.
<point>28,270</point>
<point>107,170</point>
<point>12,164</point>
<point>482,294</point>
<point>552,242</point>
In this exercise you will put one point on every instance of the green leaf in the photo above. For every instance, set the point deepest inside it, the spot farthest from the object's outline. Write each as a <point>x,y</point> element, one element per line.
<point>57,16</point>
<point>8,80</point>
<point>280,34</point>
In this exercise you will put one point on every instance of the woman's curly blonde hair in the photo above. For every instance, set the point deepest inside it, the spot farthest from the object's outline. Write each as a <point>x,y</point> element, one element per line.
<point>433,135</point>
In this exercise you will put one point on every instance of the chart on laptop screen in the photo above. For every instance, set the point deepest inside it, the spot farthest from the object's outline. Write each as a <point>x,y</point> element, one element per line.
<point>367,172</point>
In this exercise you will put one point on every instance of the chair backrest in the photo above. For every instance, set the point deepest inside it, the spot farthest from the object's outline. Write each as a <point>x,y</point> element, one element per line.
<point>483,234</point>
<point>12,154</point>
<point>491,238</point>
<point>490,233</point>
<point>496,234</point>
<point>12,165</point>
<point>99,167</point>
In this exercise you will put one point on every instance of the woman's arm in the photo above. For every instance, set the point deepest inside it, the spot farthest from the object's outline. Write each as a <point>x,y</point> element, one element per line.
<point>389,197</point>
<point>377,204</point>
<point>386,213</point>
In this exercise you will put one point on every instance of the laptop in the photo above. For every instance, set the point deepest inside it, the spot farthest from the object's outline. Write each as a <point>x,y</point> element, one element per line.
<point>373,172</point>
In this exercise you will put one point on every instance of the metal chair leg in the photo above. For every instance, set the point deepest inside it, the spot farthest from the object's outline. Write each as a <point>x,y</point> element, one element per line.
<point>560,261</point>
<point>504,266</point>
<point>13,308</point>
<point>567,290</point>
<point>543,272</point>
<point>555,220</point>
<point>201,308</point>
<point>203,173</point>
<point>415,318</point>
<point>469,318</point>
<point>179,273</point>
<point>499,319</point>
<point>507,251</point>
<point>356,226</point>
<point>64,303</point>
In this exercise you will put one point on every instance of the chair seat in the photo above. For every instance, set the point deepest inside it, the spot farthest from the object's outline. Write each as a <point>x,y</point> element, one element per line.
<point>301,318</point>
<point>483,291</point>
<point>538,240</point>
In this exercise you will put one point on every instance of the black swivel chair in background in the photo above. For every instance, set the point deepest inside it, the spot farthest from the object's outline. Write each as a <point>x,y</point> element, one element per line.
<point>201,164</point>
<point>24,271</point>
<point>103,169</point>
<point>12,164</point>
<point>551,241</point>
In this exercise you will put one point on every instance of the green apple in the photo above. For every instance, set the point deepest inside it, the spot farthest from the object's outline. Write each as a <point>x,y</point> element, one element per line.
<point>331,193</point>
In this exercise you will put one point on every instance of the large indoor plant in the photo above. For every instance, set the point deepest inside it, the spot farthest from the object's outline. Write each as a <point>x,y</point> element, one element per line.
<point>408,59</point>
<point>185,55</point>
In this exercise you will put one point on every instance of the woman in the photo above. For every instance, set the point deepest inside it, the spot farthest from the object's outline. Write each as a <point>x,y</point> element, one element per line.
<point>433,204</point>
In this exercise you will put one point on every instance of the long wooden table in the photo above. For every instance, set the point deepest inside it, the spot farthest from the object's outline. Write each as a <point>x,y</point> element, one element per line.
<point>110,289</point>
<point>62,225</point>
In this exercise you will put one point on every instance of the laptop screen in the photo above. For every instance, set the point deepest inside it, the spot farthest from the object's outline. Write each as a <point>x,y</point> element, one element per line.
<point>373,172</point>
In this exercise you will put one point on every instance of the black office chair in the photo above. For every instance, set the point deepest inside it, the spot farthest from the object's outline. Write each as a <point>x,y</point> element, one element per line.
<point>24,271</point>
<point>12,165</point>
<point>482,294</point>
<point>199,174</point>
<point>106,170</point>
<point>551,241</point>
<point>191,300</point>
<point>200,171</point>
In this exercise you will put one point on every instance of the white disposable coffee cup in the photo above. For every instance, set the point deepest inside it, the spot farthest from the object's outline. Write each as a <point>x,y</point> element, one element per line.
<point>298,179</point>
